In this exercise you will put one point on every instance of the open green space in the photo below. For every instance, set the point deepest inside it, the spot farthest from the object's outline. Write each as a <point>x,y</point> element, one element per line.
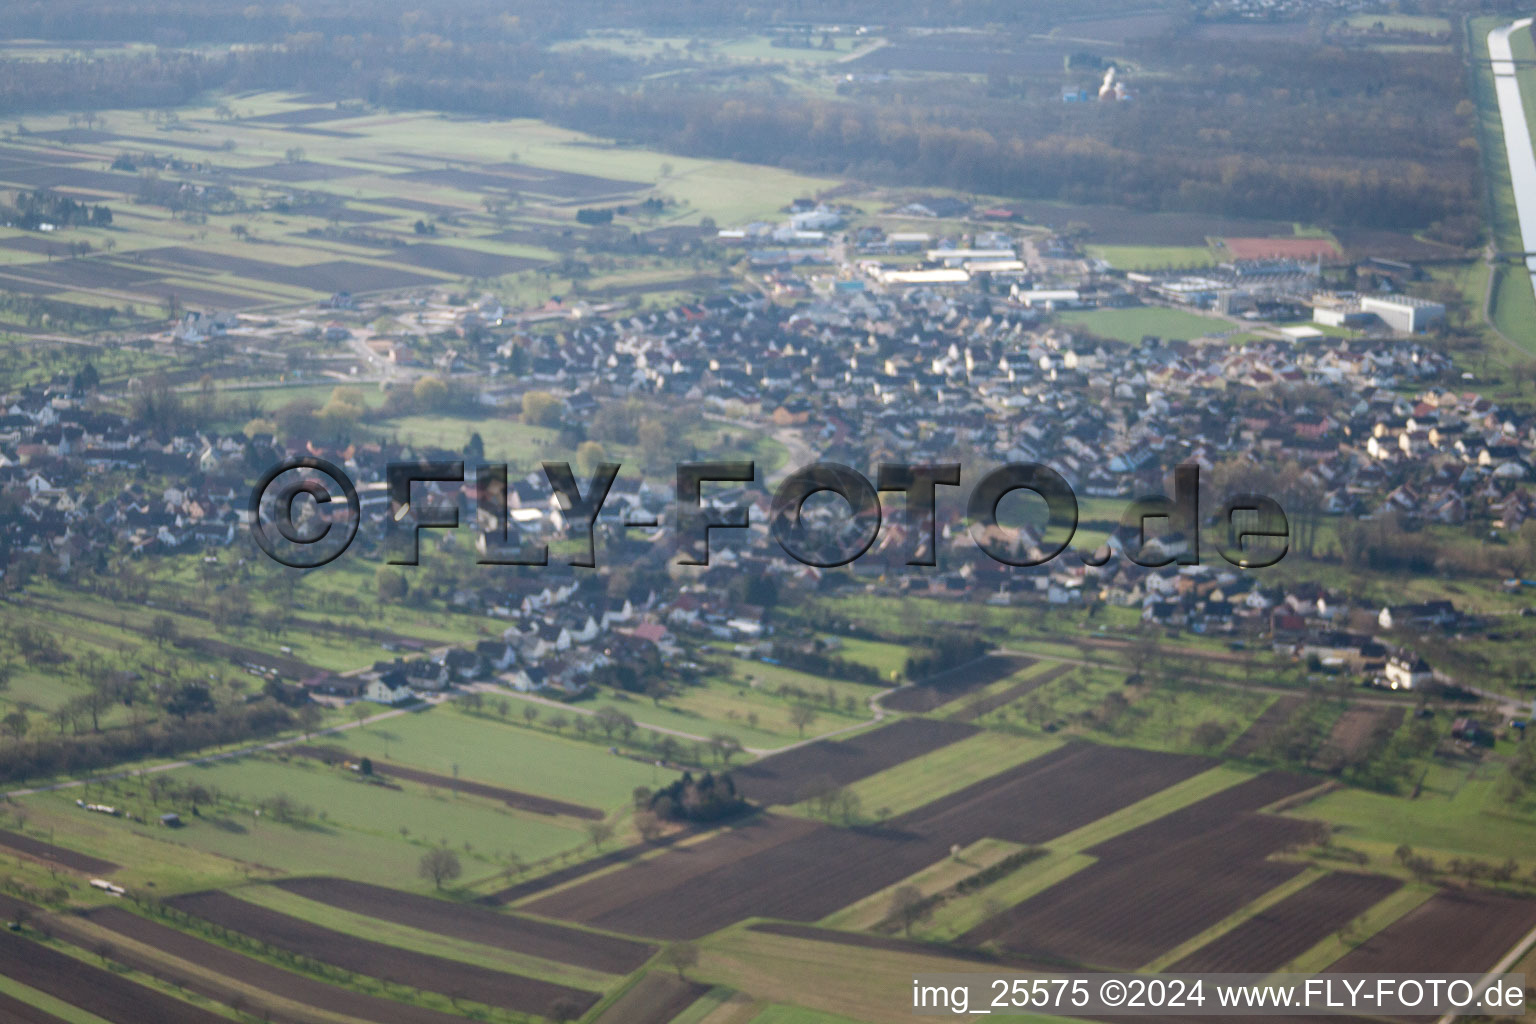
<point>1424,24</point>
<point>886,658</point>
<point>1152,257</point>
<point>241,253</point>
<point>507,755</point>
<point>1459,812</point>
<point>340,824</point>
<point>752,714</point>
<point>1131,325</point>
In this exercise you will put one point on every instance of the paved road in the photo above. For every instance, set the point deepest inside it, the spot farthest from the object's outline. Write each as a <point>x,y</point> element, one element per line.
<point>1517,135</point>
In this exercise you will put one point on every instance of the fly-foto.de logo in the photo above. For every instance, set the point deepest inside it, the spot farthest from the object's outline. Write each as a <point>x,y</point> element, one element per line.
<point>304,512</point>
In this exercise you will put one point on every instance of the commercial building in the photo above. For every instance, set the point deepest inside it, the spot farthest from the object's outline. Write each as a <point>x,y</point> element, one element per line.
<point>1404,313</point>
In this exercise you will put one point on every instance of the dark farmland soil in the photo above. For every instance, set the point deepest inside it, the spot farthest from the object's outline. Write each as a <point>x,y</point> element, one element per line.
<point>803,878</point>
<point>50,854</point>
<point>1050,796</point>
<point>938,690</point>
<point>655,999</point>
<point>510,797</point>
<point>676,868</point>
<point>893,944</point>
<point>1123,913</point>
<point>89,272</point>
<point>376,960</point>
<point>451,259</point>
<point>1273,938</point>
<point>301,170</point>
<point>16,1011</point>
<point>986,705</point>
<point>567,184</point>
<point>1253,738</point>
<point>522,890</point>
<point>1455,931</point>
<point>75,178</point>
<point>330,276</point>
<point>476,924</point>
<point>789,777</point>
<point>1213,812</point>
<point>294,987</point>
<point>107,995</point>
<point>967,958</point>
<point>801,871</point>
<point>307,115</point>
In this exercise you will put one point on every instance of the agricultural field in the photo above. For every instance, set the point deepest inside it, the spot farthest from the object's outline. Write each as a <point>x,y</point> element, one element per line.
<point>309,199</point>
<point>211,821</point>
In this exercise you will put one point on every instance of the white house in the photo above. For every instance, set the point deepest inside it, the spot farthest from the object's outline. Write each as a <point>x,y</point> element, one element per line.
<point>381,692</point>
<point>1407,672</point>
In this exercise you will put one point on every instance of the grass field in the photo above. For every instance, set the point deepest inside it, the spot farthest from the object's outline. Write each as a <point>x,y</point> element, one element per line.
<point>782,1014</point>
<point>869,912</point>
<point>1424,24</point>
<point>504,755</point>
<point>1175,797</point>
<point>888,659</point>
<point>752,715</point>
<point>1458,814</point>
<point>949,769</point>
<point>1130,325</point>
<point>371,833</point>
<point>960,915</point>
<point>1152,257</point>
<point>750,48</point>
